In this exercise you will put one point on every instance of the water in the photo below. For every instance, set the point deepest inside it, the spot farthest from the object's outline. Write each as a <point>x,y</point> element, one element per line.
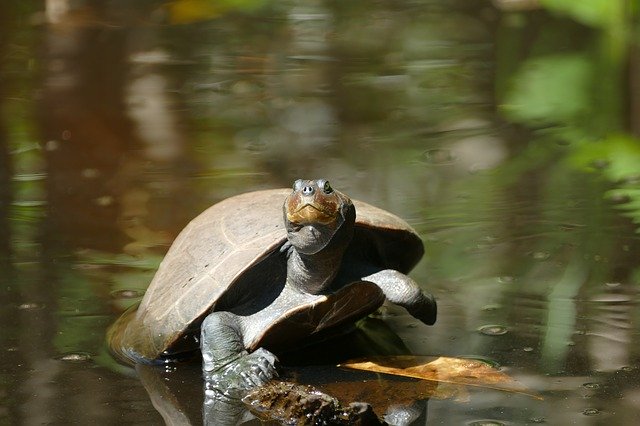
<point>120,123</point>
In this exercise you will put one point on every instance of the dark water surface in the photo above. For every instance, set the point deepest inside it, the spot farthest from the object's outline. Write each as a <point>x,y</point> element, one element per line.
<point>504,136</point>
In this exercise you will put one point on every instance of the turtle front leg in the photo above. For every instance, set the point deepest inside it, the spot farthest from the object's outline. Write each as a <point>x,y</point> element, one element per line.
<point>226,364</point>
<point>403,291</point>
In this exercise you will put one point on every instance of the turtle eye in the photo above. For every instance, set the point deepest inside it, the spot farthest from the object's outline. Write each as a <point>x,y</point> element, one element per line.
<point>326,187</point>
<point>297,185</point>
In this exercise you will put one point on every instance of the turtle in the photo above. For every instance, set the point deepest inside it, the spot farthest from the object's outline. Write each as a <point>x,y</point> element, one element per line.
<point>261,271</point>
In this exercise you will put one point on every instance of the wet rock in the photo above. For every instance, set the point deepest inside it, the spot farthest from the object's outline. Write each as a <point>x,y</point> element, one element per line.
<point>293,404</point>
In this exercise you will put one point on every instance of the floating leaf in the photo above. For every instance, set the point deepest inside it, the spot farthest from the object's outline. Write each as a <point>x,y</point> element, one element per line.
<point>458,371</point>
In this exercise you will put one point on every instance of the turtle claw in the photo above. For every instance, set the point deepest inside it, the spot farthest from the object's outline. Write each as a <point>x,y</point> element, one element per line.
<point>287,248</point>
<point>246,372</point>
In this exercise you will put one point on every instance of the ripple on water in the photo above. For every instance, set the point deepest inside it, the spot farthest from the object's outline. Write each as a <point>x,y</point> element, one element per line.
<point>438,156</point>
<point>591,412</point>
<point>485,423</point>
<point>74,357</point>
<point>31,306</point>
<point>591,385</point>
<point>126,294</point>
<point>493,330</point>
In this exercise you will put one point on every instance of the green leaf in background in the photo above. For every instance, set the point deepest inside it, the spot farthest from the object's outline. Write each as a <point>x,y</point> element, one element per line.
<point>189,11</point>
<point>617,156</point>
<point>550,90</point>
<point>589,12</point>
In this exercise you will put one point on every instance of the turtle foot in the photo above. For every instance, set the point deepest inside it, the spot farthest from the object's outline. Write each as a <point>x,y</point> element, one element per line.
<point>425,309</point>
<point>245,372</point>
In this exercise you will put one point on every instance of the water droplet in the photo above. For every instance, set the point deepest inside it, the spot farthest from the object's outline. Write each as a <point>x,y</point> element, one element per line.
<point>485,423</point>
<point>438,156</point>
<point>31,306</point>
<point>126,294</point>
<point>74,357</point>
<point>493,330</point>
<point>591,412</point>
<point>591,385</point>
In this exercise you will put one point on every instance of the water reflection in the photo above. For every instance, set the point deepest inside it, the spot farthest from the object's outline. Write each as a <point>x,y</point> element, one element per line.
<point>502,135</point>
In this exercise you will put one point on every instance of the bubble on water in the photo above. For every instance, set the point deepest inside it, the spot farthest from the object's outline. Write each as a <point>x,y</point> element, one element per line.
<point>591,412</point>
<point>31,306</point>
<point>537,420</point>
<point>627,368</point>
<point>74,357</point>
<point>438,156</point>
<point>527,349</point>
<point>493,330</point>
<point>126,294</point>
<point>506,279</point>
<point>591,385</point>
<point>485,423</point>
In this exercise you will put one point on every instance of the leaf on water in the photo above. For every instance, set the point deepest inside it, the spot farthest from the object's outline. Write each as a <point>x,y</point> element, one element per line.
<point>459,371</point>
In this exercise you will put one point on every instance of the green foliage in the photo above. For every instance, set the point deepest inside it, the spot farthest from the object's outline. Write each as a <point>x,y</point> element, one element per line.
<point>589,12</point>
<point>550,90</point>
<point>618,157</point>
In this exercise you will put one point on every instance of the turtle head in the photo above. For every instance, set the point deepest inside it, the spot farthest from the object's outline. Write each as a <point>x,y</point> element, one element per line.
<point>317,216</point>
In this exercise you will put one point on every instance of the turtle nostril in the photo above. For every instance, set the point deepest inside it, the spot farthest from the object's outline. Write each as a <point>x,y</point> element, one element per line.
<point>308,190</point>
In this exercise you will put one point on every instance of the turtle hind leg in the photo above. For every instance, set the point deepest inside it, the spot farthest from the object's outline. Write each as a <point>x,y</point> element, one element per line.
<point>403,291</point>
<point>226,364</point>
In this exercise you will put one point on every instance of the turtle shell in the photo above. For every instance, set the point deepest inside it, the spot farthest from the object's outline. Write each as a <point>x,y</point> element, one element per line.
<point>228,240</point>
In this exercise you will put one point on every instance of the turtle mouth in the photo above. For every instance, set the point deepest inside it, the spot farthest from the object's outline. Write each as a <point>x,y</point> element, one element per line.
<point>310,213</point>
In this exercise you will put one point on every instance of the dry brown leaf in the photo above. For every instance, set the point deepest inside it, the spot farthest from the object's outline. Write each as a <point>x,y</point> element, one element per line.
<point>459,371</point>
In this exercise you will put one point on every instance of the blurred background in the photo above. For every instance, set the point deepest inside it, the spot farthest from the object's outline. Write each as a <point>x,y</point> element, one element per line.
<point>507,132</point>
